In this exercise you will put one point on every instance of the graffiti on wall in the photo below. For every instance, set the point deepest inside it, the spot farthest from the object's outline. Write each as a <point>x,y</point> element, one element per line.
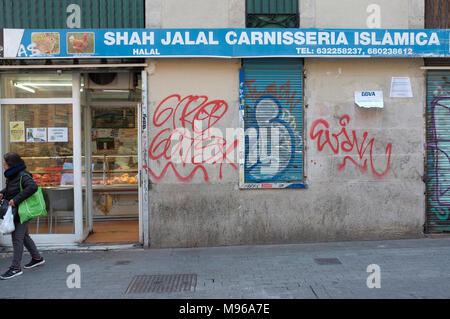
<point>273,133</point>
<point>186,139</point>
<point>438,164</point>
<point>359,151</point>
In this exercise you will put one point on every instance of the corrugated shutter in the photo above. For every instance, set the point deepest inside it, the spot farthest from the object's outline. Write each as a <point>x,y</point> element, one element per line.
<point>273,95</point>
<point>52,14</point>
<point>438,152</point>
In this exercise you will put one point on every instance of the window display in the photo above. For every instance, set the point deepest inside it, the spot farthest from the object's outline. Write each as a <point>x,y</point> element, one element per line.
<point>29,133</point>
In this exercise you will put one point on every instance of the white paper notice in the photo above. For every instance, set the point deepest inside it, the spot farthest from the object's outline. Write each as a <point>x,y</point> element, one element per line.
<point>401,87</point>
<point>369,98</point>
<point>36,134</point>
<point>58,134</point>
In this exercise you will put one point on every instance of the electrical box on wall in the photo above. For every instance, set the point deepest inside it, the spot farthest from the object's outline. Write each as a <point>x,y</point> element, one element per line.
<point>111,81</point>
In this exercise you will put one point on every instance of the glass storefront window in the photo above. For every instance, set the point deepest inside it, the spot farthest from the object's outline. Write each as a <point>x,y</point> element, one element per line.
<point>36,85</point>
<point>42,135</point>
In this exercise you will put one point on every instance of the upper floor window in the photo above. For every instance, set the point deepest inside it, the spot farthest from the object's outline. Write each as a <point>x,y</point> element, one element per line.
<point>272,14</point>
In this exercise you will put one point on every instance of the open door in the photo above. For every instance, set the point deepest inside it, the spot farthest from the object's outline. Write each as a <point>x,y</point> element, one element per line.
<point>112,164</point>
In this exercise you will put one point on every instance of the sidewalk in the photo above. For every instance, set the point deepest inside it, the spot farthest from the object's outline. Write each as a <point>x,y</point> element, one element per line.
<point>418,268</point>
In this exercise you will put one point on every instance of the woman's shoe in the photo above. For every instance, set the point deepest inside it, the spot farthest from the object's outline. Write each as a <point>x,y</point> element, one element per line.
<point>34,263</point>
<point>11,273</point>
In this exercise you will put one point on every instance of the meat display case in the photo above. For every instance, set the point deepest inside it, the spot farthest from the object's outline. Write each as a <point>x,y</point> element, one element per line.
<point>108,171</point>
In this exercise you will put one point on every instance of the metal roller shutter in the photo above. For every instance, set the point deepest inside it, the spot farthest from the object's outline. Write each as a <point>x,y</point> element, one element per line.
<point>52,14</point>
<point>273,120</point>
<point>438,152</point>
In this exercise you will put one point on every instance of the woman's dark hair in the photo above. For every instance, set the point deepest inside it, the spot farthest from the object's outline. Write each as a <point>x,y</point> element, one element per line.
<point>13,159</point>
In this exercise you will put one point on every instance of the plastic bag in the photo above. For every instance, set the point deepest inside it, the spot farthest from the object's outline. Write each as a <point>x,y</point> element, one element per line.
<point>7,225</point>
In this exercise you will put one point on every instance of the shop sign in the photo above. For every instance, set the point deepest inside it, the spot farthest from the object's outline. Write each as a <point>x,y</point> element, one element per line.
<point>227,43</point>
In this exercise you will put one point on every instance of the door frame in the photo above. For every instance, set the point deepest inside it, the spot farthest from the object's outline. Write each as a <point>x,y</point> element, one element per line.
<point>88,161</point>
<point>143,160</point>
<point>57,239</point>
<point>143,176</point>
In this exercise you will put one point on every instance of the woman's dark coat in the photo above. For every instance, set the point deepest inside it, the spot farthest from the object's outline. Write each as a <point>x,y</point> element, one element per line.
<point>12,190</point>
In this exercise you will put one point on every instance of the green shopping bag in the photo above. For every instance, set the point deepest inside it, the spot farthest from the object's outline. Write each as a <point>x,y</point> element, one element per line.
<point>33,206</point>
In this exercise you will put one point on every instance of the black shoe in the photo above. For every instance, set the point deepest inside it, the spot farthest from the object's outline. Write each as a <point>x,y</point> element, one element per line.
<point>12,272</point>
<point>34,263</point>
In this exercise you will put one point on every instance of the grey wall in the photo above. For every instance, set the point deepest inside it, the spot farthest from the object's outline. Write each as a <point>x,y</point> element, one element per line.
<point>195,14</point>
<point>339,204</point>
<point>347,204</point>
<point>354,13</point>
<point>313,13</point>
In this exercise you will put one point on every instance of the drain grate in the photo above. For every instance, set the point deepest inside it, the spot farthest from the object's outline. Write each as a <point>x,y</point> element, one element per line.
<point>162,283</point>
<point>327,261</point>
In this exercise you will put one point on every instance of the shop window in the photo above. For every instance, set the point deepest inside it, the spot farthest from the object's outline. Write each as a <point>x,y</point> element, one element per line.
<point>272,119</point>
<point>272,14</point>
<point>42,135</point>
<point>36,86</point>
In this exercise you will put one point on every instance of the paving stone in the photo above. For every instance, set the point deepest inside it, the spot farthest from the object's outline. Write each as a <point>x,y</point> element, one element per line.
<point>409,269</point>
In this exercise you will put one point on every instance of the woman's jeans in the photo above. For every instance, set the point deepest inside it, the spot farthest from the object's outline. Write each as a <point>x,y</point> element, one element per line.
<point>20,237</point>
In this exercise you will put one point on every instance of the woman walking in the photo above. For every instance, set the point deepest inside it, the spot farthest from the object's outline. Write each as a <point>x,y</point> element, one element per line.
<point>15,172</point>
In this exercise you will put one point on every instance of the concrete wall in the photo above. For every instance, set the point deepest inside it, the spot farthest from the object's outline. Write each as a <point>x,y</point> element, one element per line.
<point>195,14</point>
<point>199,203</point>
<point>313,13</point>
<point>355,13</point>
<point>338,205</point>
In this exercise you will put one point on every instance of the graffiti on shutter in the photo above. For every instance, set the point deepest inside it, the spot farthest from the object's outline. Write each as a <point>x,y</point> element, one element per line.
<point>438,152</point>
<point>273,124</point>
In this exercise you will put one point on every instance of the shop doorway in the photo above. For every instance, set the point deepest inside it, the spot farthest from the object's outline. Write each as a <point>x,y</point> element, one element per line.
<point>111,107</point>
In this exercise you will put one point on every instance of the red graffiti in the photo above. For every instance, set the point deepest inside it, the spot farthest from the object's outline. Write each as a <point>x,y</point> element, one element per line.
<point>282,92</point>
<point>342,141</point>
<point>189,136</point>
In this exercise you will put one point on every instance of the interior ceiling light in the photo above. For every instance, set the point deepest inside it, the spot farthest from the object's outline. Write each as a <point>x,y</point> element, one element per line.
<point>23,87</point>
<point>46,84</point>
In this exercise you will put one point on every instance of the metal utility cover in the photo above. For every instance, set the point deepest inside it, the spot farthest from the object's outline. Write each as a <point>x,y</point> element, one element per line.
<point>162,283</point>
<point>327,261</point>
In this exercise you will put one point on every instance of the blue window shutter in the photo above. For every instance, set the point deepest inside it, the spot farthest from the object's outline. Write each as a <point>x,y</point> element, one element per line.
<point>273,95</point>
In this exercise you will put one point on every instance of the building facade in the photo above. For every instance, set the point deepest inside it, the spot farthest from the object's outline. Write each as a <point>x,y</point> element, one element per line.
<point>253,150</point>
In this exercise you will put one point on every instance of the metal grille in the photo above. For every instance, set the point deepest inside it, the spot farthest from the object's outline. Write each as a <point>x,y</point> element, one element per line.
<point>51,14</point>
<point>271,6</point>
<point>438,152</point>
<point>327,261</point>
<point>162,283</point>
<point>273,120</point>
<point>272,14</point>
<point>272,21</point>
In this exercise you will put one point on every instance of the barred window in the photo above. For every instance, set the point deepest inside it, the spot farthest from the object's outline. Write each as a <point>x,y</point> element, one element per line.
<point>272,14</point>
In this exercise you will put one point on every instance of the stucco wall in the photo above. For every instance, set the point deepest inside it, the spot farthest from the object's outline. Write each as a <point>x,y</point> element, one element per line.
<point>313,13</point>
<point>195,14</point>
<point>344,204</point>
<point>354,13</point>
